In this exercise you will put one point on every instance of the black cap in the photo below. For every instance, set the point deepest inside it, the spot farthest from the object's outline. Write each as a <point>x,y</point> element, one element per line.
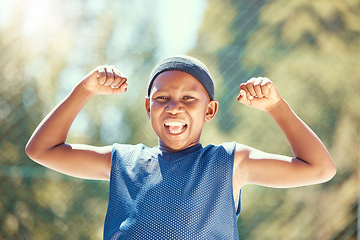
<point>186,64</point>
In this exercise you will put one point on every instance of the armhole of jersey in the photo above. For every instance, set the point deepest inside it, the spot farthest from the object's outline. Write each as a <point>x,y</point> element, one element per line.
<point>113,151</point>
<point>238,210</point>
<point>231,148</point>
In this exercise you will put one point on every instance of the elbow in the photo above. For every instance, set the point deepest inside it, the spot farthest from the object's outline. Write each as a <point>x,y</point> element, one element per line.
<point>327,173</point>
<point>32,152</point>
<point>321,171</point>
<point>332,172</point>
<point>29,150</point>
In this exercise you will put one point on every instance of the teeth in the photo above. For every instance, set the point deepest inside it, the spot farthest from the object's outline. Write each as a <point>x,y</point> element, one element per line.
<point>175,127</point>
<point>176,132</point>
<point>174,124</point>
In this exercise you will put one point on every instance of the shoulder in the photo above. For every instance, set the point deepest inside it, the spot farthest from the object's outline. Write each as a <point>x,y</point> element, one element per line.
<point>242,154</point>
<point>222,150</point>
<point>120,148</point>
<point>128,152</point>
<point>229,146</point>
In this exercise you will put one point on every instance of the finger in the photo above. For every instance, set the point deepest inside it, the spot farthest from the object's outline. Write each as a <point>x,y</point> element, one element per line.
<point>120,83</point>
<point>257,87</point>
<point>109,76</point>
<point>101,72</point>
<point>266,85</point>
<point>244,88</point>
<point>118,73</point>
<point>124,87</point>
<point>94,74</point>
<point>265,88</point>
<point>242,96</point>
<point>116,81</point>
<point>119,78</point>
<point>250,87</point>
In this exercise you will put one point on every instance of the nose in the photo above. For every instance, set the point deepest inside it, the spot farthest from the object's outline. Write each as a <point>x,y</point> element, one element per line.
<point>174,107</point>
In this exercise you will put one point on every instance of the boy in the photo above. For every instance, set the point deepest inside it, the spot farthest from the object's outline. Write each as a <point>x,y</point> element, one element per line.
<point>179,189</point>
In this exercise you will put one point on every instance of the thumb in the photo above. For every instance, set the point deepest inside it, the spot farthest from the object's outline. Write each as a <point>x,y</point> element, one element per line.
<point>242,97</point>
<point>120,88</point>
<point>93,75</point>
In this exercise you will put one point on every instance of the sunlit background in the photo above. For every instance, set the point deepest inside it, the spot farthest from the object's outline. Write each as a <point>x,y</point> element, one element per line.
<point>310,49</point>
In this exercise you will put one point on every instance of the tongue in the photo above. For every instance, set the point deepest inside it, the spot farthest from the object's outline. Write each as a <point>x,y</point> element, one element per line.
<point>175,128</point>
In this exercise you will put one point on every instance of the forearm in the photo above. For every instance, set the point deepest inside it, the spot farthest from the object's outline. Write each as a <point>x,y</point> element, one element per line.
<point>53,130</point>
<point>303,141</point>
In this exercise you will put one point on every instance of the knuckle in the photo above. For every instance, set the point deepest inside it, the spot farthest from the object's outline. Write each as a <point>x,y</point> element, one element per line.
<point>249,84</point>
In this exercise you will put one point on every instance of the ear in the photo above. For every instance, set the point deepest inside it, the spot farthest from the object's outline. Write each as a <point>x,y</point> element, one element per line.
<point>211,110</point>
<point>147,105</point>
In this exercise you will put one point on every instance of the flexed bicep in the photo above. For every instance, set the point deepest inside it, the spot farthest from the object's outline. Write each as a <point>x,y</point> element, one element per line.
<point>273,170</point>
<point>77,160</point>
<point>47,144</point>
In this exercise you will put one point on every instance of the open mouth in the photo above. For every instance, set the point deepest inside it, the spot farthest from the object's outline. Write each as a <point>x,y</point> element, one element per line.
<point>175,127</point>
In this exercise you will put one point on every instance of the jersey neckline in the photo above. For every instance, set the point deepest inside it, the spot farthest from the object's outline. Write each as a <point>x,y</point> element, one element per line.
<point>172,156</point>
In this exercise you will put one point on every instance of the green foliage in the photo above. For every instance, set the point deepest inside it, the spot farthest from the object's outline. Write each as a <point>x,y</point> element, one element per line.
<point>310,49</point>
<point>39,70</point>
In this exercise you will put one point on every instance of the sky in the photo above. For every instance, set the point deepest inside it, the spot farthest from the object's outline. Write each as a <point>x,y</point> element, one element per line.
<point>179,21</point>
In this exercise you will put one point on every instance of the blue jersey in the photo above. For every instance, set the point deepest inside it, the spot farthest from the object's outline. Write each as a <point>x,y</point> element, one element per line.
<point>183,195</point>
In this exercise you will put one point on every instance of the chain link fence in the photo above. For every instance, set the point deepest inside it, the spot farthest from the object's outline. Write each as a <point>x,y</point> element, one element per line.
<point>310,49</point>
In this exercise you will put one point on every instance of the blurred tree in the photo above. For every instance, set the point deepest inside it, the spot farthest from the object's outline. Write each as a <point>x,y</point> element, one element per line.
<point>313,56</point>
<point>25,214</point>
<point>41,63</point>
<point>310,50</point>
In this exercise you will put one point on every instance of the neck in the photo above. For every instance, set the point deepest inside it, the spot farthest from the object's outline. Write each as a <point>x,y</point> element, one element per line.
<point>166,148</point>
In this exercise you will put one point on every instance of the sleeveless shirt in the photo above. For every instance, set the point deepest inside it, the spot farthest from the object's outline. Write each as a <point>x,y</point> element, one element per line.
<point>182,195</point>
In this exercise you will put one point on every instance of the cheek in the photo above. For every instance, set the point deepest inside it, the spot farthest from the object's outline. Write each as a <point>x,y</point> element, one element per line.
<point>154,115</point>
<point>198,114</point>
<point>156,106</point>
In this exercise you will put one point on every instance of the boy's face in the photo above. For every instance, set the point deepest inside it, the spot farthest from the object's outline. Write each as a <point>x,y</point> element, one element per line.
<point>178,106</point>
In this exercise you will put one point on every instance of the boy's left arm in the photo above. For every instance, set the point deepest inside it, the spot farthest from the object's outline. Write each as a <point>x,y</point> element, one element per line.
<point>311,163</point>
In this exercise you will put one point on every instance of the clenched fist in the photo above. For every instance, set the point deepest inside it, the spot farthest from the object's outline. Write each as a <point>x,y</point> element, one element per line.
<point>259,93</point>
<point>104,80</point>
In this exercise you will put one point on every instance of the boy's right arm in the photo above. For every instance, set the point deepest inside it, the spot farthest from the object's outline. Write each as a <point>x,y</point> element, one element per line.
<point>47,144</point>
